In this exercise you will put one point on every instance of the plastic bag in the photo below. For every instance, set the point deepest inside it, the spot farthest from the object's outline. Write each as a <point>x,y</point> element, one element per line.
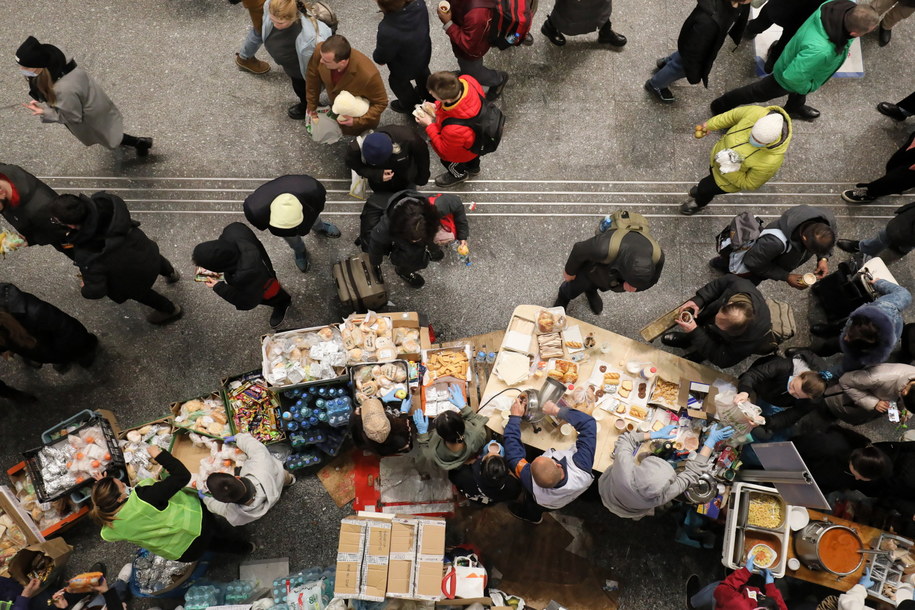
<point>743,416</point>
<point>324,128</point>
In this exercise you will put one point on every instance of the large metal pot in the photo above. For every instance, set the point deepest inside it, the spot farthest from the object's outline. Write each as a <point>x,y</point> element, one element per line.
<point>551,390</point>
<point>703,491</point>
<point>808,544</point>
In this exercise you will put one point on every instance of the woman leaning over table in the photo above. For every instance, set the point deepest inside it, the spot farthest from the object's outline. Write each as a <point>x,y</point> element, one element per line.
<point>162,516</point>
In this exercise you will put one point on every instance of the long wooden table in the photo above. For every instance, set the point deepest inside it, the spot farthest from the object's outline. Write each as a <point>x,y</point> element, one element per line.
<point>621,348</point>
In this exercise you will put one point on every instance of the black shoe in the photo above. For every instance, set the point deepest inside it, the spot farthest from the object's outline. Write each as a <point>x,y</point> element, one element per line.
<point>884,36</point>
<point>595,302</point>
<point>528,40</point>
<point>448,179</point>
<point>718,264</point>
<point>606,35</point>
<point>399,107</point>
<point>515,508</point>
<point>413,279</point>
<point>857,195</point>
<point>552,34</point>
<point>435,253</point>
<point>662,95</point>
<point>805,113</point>
<point>278,315</point>
<point>689,207</point>
<point>495,92</point>
<point>675,339</point>
<point>791,352</point>
<point>692,587</point>
<point>174,277</point>
<point>297,112</point>
<point>852,246</point>
<point>659,65</point>
<point>561,301</point>
<point>892,110</point>
<point>98,566</point>
<point>62,367</point>
<point>143,146</point>
<point>824,330</point>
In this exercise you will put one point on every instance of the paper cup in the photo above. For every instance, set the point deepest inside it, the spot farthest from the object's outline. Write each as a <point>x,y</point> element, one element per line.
<point>444,6</point>
<point>630,427</point>
<point>793,564</point>
<point>566,429</point>
<point>644,426</point>
<point>620,424</point>
<point>810,279</point>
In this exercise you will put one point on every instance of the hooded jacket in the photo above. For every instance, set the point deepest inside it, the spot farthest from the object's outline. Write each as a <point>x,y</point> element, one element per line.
<point>900,230</point>
<point>816,51</point>
<point>632,491</point>
<point>759,164</point>
<point>30,215</point>
<point>733,593</point>
<point>403,42</point>
<point>265,472</point>
<point>61,337</point>
<point>452,143</point>
<point>116,259</point>
<point>868,386</point>
<point>470,28</point>
<point>242,259</point>
<point>856,598</point>
<point>768,257</point>
<point>403,253</point>
<point>715,345</point>
<point>409,160</point>
<point>704,32</point>
<point>632,263</point>
<point>434,451</point>
<point>886,315</point>
<point>310,193</point>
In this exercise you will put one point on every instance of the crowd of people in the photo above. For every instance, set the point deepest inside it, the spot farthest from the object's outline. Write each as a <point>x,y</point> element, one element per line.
<point>805,392</point>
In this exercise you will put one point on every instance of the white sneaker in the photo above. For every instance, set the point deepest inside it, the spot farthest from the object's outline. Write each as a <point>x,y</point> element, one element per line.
<point>125,573</point>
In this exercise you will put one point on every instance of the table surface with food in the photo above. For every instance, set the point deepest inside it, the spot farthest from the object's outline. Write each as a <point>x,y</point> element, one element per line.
<point>623,383</point>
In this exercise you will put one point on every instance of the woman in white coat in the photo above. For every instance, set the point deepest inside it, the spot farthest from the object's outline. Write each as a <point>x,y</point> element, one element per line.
<point>62,92</point>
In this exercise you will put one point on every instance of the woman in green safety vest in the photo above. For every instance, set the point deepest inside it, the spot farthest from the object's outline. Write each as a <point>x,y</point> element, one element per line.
<point>162,517</point>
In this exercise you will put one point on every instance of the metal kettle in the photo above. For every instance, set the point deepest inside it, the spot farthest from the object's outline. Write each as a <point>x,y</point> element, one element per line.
<point>704,490</point>
<point>551,390</point>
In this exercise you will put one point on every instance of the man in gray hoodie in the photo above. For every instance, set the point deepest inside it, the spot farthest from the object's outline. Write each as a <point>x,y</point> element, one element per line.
<point>634,486</point>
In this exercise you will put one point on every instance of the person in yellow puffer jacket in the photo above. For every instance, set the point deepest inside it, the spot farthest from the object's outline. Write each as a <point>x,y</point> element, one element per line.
<point>745,157</point>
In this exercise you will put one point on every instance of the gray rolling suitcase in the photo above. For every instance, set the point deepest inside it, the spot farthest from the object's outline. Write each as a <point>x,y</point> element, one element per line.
<point>358,286</point>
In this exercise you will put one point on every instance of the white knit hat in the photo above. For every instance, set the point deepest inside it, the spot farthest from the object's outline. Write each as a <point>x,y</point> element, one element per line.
<point>768,129</point>
<point>286,212</point>
<point>348,104</point>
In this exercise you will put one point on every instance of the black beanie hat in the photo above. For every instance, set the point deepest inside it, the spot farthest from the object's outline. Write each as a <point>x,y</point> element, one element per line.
<point>33,54</point>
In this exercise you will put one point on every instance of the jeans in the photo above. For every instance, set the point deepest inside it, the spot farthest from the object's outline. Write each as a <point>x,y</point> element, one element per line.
<point>475,68</point>
<point>671,72</point>
<point>704,599</point>
<point>251,44</point>
<point>707,189</point>
<point>761,90</point>
<point>297,243</point>
<point>459,170</point>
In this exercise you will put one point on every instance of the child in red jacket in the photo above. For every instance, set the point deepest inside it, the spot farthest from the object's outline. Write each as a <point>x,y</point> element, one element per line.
<point>735,593</point>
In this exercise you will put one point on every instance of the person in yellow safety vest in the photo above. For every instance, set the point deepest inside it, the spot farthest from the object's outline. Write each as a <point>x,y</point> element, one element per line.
<point>162,516</point>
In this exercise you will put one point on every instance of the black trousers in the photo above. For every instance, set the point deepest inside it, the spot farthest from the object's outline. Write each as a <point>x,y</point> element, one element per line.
<point>404,89</point>
<point>761,90</point>
<point>529,508</point>
<point>763,22</point>
<point>581,284</point>
<point>898,177</point>
<point>280,299</point>
<point>216,536</point>
<point>298,85</point>
<point>707,189</point>
<point>459,170</point>
<point>153,299</point>
<point>908,103</point>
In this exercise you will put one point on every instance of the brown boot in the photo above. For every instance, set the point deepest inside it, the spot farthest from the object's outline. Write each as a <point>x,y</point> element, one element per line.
<point>252,64</point>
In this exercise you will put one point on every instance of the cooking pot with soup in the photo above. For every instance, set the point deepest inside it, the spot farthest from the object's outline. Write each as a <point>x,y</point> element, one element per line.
<point>828,547</point>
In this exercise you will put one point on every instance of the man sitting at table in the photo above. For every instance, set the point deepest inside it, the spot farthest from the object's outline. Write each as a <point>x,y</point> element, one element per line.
<point>558,476</point>
<point>729,321</point>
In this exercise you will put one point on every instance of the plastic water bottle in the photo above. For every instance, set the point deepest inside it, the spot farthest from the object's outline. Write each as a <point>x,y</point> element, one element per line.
<point>513,39</point>
<point>320,403</point>
<point>463,253</point>
<point>606,223</point>
<point>287,415</point>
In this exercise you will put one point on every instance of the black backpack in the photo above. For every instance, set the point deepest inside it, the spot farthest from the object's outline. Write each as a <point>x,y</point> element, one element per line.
<point>487,127</point>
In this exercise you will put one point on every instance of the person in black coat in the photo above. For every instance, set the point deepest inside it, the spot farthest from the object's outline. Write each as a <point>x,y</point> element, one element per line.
<point>41,333</point>
<point>290,207</point>
<point>248,276</point>
<point>790,15</point>
<point>896,492</point>
<point>392,159</point>
<point>701,37</point>
<point>25,203</point>
<point>413,229</point>
<point>840,459</point>
<point>589,268</point>
<point>487,480</point>
<point>729,320</point>
<point>899,176</point>
<point>898,236</point>
<point>404,45</point>
<point>786,389</point>
<point>115,258</point>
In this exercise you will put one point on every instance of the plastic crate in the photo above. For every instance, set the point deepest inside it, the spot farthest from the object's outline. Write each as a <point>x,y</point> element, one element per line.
<point>52,435</point>
<point>275,412</point>
<point>111,441</point>
<point>334,439</point>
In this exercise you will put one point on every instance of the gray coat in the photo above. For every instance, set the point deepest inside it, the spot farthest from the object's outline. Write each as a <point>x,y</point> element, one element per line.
<point>85,110</point>
<point>632,490</point>
<point>574,17</point>
<point>868,386</point>
<point>768,257</point>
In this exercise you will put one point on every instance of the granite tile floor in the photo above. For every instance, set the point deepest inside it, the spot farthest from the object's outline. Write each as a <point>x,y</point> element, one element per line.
<point>582,138</point>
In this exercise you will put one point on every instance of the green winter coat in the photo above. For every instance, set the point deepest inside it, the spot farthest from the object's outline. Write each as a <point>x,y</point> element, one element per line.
<point>810,58</point>
<point>759,164</point>
<point>433,450</point>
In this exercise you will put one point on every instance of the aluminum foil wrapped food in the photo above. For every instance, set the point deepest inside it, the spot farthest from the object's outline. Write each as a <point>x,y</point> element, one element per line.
<point>139,465</point>
<point>153,573</point>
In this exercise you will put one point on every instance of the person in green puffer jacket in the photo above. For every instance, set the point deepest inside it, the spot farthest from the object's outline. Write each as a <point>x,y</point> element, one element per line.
<point>810,58</point>
<point>162,517</point>
<point>759,136</point>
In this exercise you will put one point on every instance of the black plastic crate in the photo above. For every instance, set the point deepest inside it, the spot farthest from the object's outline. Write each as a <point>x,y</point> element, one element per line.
<point>34,470</point>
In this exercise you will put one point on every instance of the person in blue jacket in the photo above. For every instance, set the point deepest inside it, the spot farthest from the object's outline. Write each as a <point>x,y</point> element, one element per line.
<point>557,477</point>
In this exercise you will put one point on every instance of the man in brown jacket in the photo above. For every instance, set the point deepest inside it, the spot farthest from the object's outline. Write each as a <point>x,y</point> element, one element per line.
<point>338,67</point>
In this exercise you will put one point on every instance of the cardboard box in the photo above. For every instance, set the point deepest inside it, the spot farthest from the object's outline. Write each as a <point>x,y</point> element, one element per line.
<point>375,560</point>
<point>406,319</point>
<point>430,550</point>
<point>216,395</point>
<point>402,558</point>
<point>19,476</point>
<point>11,506</point>
<point>51,555</point>
<point>350,549</point>
<point>187,453</point>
